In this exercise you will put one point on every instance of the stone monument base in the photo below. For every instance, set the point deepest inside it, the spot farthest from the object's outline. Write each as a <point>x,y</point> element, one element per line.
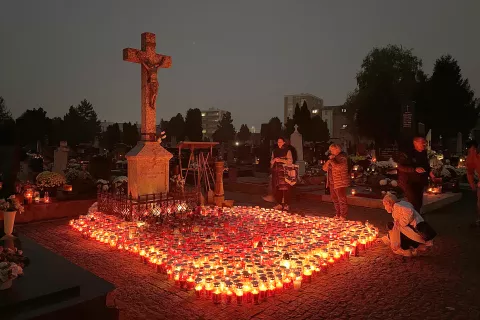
<point>301,167</point>
<point>148,169</point>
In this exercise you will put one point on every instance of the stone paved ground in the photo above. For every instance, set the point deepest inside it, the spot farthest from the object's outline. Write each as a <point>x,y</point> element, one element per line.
<point>441,284</point>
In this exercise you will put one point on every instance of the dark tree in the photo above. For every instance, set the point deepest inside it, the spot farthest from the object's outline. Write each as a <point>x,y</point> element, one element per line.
<point>73,125</point>
<point>289,127</point>
<point>81,124</point>
<point>226,130</point>
<point>304,122</point>
<point>7,125</point>
<point>450,105</point>
<point>5,114</point>
<point>296,114</point>
<point>163,125</point>
<point>319,130</point>
<point>176,127</point>
<point>274,128</point>
<point>35,118</point>
<point>90,120</point>
<point>111,137</point>
<point>387,81</point>
<point>130,134</point>
<point>244,133</point>
<point>57,132</point>
<point>193,125</point>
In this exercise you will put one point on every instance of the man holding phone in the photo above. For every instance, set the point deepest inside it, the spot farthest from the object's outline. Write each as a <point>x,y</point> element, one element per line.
<point>413,172</point>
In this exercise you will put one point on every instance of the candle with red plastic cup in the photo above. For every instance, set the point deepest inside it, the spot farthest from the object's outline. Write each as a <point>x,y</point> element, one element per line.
<point>228,292</point>
<point>208,288</point>
<point>217,293</point>
<point>255,292</point>
<point>239,293</point>
<point>198,287</point>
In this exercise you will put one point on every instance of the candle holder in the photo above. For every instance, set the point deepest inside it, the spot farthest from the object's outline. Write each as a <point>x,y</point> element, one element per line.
<point>239,293</point>
<point>224,249</point>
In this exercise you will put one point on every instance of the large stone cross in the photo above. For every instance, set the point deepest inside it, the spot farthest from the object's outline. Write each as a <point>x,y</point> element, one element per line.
<point>150,61</point>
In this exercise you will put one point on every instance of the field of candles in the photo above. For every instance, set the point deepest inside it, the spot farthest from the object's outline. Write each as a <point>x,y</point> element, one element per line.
<point>236,255</point>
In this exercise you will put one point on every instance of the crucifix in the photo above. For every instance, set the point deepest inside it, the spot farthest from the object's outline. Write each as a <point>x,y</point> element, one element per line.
<point>150,62</point>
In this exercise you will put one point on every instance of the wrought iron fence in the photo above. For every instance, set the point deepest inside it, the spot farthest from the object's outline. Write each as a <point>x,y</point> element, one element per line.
<point>156,207</point>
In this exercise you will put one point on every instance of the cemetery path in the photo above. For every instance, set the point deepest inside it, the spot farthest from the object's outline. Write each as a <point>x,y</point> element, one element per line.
<point>440,284</point>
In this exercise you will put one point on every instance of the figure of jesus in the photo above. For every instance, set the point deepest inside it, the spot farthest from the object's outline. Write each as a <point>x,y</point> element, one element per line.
<point>152,80</point>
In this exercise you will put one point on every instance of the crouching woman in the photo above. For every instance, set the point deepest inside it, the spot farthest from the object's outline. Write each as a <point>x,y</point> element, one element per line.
<point>408,233</point>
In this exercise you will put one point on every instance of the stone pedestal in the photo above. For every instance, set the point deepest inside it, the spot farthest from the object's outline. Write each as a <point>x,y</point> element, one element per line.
<point>301,167</point>
<point>219,192</point>
<point>148,169</point>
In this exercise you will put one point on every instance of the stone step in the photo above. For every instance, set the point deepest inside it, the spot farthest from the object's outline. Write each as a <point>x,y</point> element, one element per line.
<point>431,202</point>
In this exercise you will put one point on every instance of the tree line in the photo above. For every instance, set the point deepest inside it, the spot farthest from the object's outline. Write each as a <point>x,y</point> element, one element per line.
<point>79,125</point>
<point>391,78</point>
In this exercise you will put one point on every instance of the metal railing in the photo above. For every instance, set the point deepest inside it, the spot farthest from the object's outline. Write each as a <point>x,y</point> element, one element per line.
<point>157,207</point>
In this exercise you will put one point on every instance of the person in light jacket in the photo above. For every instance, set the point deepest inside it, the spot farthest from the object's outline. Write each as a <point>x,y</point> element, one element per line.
<point>408,232</point>
<point>338,179</point>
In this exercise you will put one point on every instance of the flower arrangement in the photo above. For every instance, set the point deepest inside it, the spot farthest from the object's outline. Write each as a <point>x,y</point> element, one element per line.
<point>102,185</point>
<point>390,164</point>
<point>120,180</point>
<point>9,271</point>
<point>48,179</point>
<point>177,183</point>
<point>11,204</point>
<point>12,263</point>
<point>13,255</point>
<point>120,184</point>
<point>357,158</point>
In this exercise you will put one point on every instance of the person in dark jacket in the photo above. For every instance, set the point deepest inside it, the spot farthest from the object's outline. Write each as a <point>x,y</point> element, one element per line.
<point>413,172</point>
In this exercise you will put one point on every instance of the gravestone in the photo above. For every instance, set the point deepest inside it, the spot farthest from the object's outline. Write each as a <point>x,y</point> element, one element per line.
<point>148,161</point>
<point>296,141</point>
<point>60,158</point>
<point>428,139</point>
<point>408,120</point>
<point>387,152</point>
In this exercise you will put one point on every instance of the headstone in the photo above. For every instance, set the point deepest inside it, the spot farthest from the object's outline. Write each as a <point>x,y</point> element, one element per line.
<point>429,140</point>
<point>148,161</point>
<point>297,142</point>
<point>421,129</point>
<point>387,152</point>
<point>60,158</point>
<point>409,126</point>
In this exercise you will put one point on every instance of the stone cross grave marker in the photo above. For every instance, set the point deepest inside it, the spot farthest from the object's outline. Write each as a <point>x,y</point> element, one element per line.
<point>150,62</point>
<point>148,161</point>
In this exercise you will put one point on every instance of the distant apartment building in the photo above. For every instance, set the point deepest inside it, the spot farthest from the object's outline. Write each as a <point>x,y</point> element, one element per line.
<point>337,122</point>
<point>314,104</point>
<point>210,120</point>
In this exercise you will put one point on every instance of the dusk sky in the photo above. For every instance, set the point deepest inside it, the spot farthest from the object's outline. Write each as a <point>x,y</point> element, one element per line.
<point>241,56</point>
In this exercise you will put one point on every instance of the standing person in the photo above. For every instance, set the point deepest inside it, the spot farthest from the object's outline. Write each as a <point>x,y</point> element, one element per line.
<point>282,190</point>
<point>270,197</point>
<point>338,179</point>
<point>473,165</point>
<point>413,172</point>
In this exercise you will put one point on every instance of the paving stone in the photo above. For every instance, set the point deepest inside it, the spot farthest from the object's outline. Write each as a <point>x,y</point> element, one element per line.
<point>376,285</point>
